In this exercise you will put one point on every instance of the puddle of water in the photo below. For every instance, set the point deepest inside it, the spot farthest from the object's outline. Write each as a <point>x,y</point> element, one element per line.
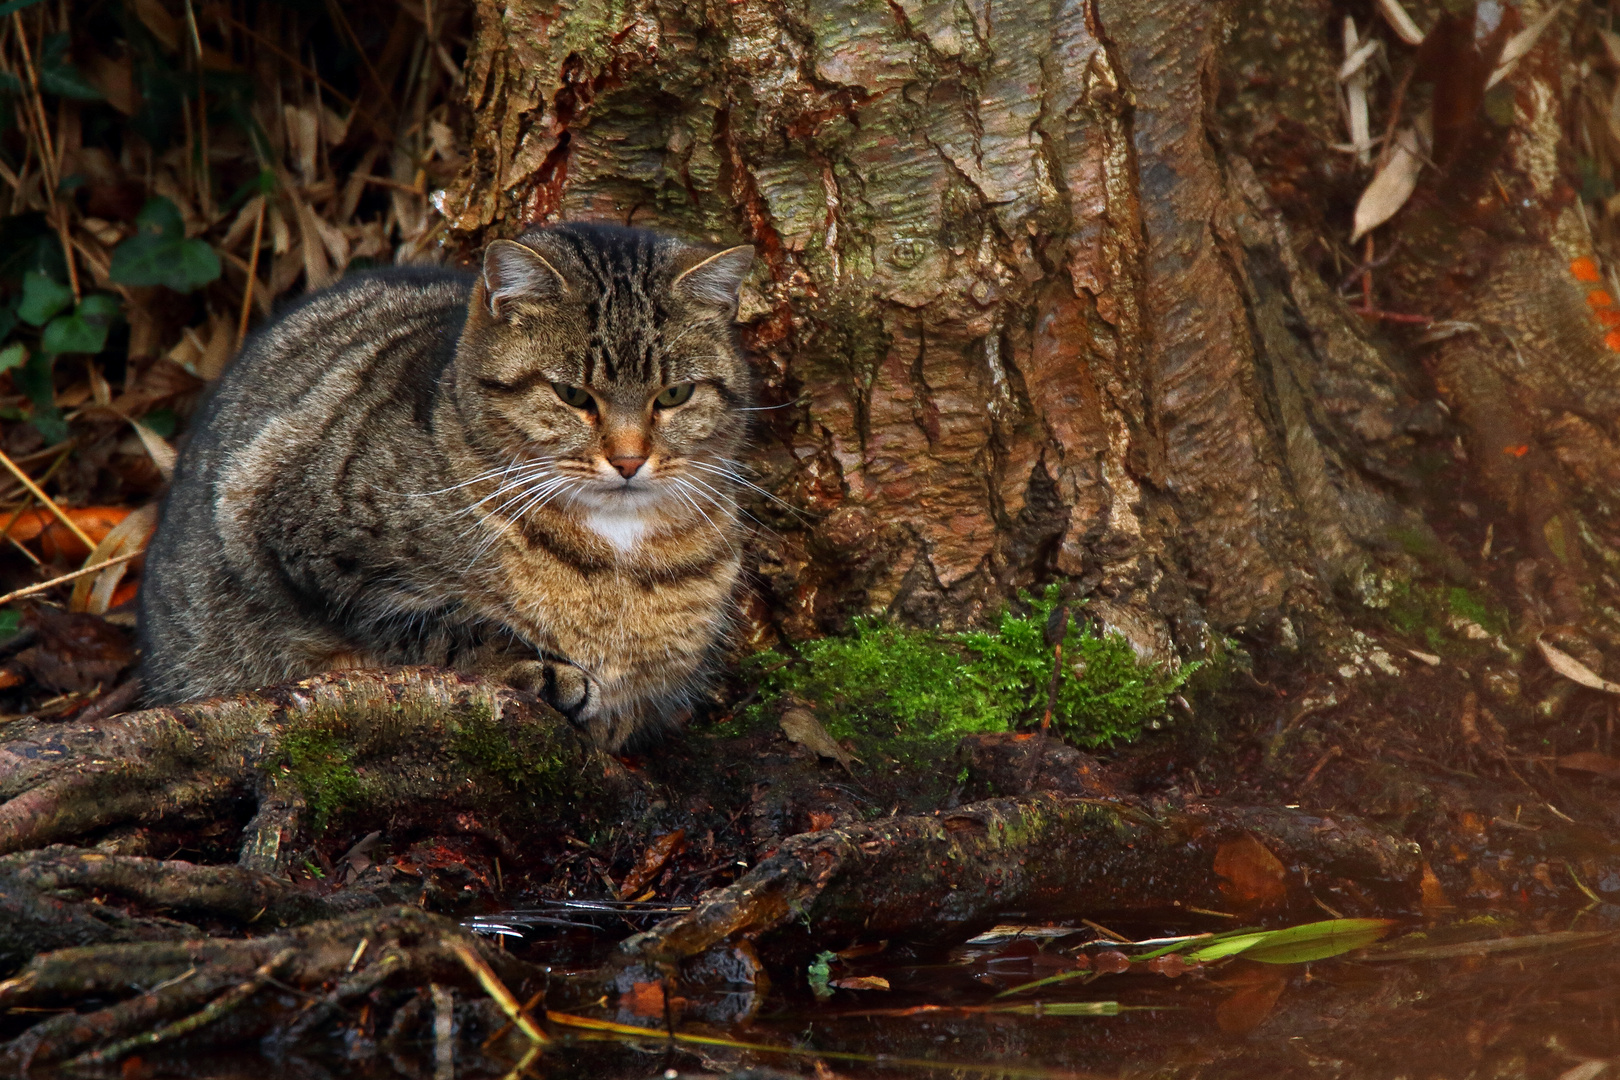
<point>1475,998</point>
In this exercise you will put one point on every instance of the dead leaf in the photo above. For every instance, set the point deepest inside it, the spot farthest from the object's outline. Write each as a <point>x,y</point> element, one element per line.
<point>659,852</point>
<point>1171,965</point>
<point>1590,761</point>
<point>1400,21</point>
<point>115,79</point>
<point>1432,893</point>
<point>1521,43</point>
<point>861,982</point>
<point>1611,45</point>
<point>164,27</point>
<point>1256,990</point>
<point>317,271</point>
<point>1254,876</point>
<point>55,539</point>
<point>1353,74</point>
<point>644,999</point>
<point>94,593</point>
<point>157,448</point>
<point>1572,669</point>
<point>1392,186</point>
<point>75,653</point>
<point>800,725</point>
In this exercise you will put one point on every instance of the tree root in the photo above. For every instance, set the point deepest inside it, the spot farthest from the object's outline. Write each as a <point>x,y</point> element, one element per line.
<point>350,744</point>
<point>190,989</point>
<point>50,899</point>
<point>948,875</point>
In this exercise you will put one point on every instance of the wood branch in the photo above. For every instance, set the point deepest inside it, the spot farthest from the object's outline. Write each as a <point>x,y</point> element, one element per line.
<point>349,745</point>
<point>945,876</point>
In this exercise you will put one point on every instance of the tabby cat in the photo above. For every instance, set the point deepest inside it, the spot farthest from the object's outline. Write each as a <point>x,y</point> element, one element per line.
<point>529,473</point>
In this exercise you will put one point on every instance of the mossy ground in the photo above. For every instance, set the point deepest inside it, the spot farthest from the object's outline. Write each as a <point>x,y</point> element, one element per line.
<point>1434,614</point>
<point>911,694</point>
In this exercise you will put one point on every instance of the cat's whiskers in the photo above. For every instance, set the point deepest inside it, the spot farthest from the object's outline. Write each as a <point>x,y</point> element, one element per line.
<point>487,475</point>
<point>527,501</point>
<point>522,481</point>
<point>735,476</point>
<point>686,482</point>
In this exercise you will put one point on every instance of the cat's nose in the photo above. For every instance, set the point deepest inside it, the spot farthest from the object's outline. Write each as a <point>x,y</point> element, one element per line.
<point>627,466</point>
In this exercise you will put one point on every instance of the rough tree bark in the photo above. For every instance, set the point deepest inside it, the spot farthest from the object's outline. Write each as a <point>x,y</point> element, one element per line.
<point>1027,308</point>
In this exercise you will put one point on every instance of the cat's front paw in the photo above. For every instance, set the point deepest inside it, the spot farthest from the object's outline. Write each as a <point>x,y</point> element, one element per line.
<point>561,685</point>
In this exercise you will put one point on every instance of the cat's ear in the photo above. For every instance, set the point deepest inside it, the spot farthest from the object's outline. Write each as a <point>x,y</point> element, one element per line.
<point>514,273</point>
<point>716,280</point>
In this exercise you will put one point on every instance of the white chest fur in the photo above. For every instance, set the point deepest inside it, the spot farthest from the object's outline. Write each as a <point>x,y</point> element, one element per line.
<point>621,528</point>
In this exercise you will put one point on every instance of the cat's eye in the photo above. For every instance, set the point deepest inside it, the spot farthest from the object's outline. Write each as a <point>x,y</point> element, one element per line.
<point>573,395</point>
<point>672,396</point>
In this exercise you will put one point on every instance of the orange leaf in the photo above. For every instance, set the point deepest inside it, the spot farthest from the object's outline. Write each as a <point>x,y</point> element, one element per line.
<point>659,852</point>
<point>1254,876</point>
<point>1256,995</point>
<point>1585,269</point>
<point>1517,451</point>
<point>644,999</point>
<point>55,538</point>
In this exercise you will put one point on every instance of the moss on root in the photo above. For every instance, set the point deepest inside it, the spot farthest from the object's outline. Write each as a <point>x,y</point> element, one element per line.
<point>400,759</point>
<point>912,694</point>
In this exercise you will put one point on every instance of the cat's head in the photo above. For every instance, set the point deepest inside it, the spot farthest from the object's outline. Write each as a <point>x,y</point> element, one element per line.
<point>611,354</point>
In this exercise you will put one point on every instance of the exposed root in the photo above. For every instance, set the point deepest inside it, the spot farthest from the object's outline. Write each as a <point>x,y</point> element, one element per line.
<point>200,989</point>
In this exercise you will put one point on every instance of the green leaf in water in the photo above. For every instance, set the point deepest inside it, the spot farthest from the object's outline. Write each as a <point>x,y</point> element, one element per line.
<point>10,622</point>
<point>1063,1008</point>
<point>160,254</point>
<point>1230,946</point>
<point>818,973</point>
<point>42,297</point>
<point>1318,940</point>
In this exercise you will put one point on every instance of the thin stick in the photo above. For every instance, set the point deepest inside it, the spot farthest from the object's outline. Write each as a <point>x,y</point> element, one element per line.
<point>96,568</point>
<point>65,237</point>
<point>48,158</point>
<point>252,272</point>
<point>497,990</point>
<point>46,500</point>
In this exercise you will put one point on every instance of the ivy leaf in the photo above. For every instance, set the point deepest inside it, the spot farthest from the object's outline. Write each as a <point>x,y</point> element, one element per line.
<point>42,298</point>
<point>57,75</point>
<point>13,355</point>
<point>34,380</point>
<point>160,254</point>
<point>84,331</point>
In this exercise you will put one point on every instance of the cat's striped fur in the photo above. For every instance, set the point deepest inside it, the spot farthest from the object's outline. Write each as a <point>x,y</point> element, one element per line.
<point>528,472</point>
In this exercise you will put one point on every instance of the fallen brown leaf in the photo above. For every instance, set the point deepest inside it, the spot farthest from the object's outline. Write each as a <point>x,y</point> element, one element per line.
<point>1572,669</point>
<point>1590,761</point>
<point>801,726</point>
<point>1391,187</point>
<point>659,852</point>
<point>1254,876</point>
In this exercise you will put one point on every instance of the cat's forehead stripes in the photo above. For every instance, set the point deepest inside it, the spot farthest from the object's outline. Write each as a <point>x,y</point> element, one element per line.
<point>621,274</point>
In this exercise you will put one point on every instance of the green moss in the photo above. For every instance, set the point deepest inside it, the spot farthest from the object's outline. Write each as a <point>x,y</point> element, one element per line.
<point>1427,612</point>
<point>920,690</point>
<point>320,762</point>
<point>534,767</point>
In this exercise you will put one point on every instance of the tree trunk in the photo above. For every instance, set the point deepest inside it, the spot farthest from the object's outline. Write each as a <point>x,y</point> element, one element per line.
<point>1028,306</point>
